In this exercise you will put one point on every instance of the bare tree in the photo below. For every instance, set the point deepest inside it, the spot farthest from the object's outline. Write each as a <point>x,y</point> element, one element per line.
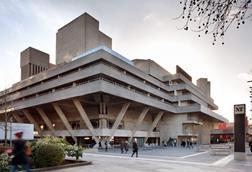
<point>214,16</point>
<point>6,115</point>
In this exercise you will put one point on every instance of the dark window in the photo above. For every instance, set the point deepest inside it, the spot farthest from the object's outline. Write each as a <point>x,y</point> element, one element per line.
<point>95,123</point>
<point>75,125</point>
<point>110,124</point>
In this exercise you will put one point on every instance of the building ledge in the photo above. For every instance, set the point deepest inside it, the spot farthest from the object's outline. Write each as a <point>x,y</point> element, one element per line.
<point>192,122</point>
<point>188,135</point>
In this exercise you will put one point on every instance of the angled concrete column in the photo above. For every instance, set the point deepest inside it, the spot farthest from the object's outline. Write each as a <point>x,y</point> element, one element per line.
<point>119,119</point>
<point>17,118</point>
<point>32,120</point>
<point>139,120</point>
<point>153,125</point>
<point>46,120</point>
<point>64,120</point>
<point>85,118</point>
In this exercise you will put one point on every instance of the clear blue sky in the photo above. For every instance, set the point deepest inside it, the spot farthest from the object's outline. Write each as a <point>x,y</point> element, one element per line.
<point>140,29</point>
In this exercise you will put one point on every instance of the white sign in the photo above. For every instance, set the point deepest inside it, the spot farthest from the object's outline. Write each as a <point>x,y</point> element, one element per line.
<point>239,109</point>
<point>13,128</point>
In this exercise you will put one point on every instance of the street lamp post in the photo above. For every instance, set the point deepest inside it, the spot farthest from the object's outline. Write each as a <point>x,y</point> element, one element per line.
<point>11,121</point>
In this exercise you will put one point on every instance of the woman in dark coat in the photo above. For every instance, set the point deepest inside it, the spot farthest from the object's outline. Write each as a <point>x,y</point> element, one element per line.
<point>122,146</point>
<point>18,153</point>
<point>135,149</point>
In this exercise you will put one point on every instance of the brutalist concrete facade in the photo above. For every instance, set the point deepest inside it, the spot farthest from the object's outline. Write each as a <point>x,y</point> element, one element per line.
<point>81,34</point>
<point>95,93</point>
<point>32,62</point>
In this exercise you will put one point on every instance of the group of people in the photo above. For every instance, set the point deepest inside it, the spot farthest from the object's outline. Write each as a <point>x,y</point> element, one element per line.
<point>171,142</point>
<point>105,144</point>
<point>187,144</point>
<point>124,146</point>
<point>184,143</point>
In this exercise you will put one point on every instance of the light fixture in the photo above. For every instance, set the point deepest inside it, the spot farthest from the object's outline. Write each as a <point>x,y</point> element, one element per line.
<point>86,138</point>
<point>41,127</point>
<point>53,125</point>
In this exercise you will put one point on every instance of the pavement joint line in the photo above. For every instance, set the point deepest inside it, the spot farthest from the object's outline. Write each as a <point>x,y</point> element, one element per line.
<point>163,157</point>
<point>143,155</point>
<point>150,159</point>
<point>223,161</point>
<point>196,154</point>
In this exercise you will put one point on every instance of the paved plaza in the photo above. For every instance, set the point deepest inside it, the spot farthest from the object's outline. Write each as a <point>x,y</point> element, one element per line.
<point>162,160</point>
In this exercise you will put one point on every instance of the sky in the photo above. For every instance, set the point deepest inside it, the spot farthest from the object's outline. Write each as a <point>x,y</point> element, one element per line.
<point>144,29</point>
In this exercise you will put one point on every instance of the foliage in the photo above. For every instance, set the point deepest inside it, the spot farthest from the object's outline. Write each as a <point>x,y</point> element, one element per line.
<point>59,144</point>
<point>214,16</point>
<point>74,151</point>
<point>4,162</point>
<point>62,143</point>
<point>48,154</point>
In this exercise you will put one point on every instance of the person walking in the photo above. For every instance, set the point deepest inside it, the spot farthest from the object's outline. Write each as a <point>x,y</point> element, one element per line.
<point>100,145</point>
<point>19,152</point>
<point>126,146</point>
<point>188,143</point>
<point>135,149</point>
<point>106,146</point>
<point>183,143</point>
<point>191,144</point>
<point>122,146</point>
<point>175,142</point>
<point>250,145</point>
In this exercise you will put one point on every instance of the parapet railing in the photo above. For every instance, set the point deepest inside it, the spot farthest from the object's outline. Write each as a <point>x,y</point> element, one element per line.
<point>82,83</point>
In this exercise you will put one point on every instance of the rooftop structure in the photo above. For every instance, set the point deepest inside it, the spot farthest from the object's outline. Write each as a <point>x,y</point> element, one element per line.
<point>79,36</point>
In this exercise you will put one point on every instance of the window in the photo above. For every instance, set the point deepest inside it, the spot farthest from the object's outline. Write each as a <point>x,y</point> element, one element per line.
<point>75,125</point>
<point>95,123</point>
<point>110,123</point>
<point>121,126</point>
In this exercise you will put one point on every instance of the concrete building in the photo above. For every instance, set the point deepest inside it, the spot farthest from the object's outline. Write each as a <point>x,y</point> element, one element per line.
<point>80,35</point>
<point>32,62</point>
<point>94,92</point>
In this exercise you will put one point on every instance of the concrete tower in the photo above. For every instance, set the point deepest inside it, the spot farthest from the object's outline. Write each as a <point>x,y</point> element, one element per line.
<point>79,36</point>
<point>32,62</point>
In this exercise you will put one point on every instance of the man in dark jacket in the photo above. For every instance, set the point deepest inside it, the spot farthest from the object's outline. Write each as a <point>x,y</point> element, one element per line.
<point>122,146</point>
<point>19,156</point>
<point>250,145</point>
<point>135,149</point>
<point>106,146</point>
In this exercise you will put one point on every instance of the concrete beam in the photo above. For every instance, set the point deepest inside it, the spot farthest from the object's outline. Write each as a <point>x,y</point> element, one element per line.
<point>32,120</point>
<point>17,118</point>
<point>139,120</point>
<point>154,124</point>
<point>119,119</point>
<point>85,118</point>
<point>46,120</point>
<point>64,120</point>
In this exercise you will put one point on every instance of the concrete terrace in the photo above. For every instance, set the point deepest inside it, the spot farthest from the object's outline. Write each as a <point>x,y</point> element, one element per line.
<point>162,160</point>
